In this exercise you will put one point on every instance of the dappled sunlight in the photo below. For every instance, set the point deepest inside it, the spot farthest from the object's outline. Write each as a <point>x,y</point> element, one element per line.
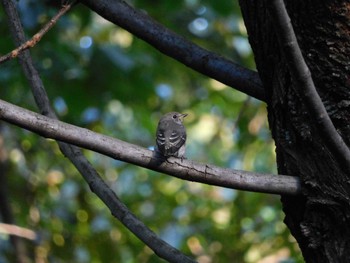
<point>85,42</point>
<point>82,216</point>
<point>205,129</point>
<point>257,123</point>
<point>199,26</point>
<point>221,217</point>
<point>171,186</point>
<point>195,246</point>
<point>54,177</point>
<point>216,85</point>
<point>103,78</point>
<point>121,37</point>
<point>17,156</point>
<point>164,91</point>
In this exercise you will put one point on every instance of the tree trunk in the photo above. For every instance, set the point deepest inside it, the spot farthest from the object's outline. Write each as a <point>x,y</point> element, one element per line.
<point>320,218</point>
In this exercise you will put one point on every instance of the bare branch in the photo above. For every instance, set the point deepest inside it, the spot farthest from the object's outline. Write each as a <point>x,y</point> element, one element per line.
<point>97,185</point>
<point>37,37</point>
<point>119,209</point>
<point>177,47</point>
<point>18,231</point>
<point>123,151</point>
<point>6,209</point>
<point>305,85</point>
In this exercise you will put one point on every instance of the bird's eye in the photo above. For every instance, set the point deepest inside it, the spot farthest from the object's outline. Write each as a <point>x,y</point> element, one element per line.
<point>174,116</point>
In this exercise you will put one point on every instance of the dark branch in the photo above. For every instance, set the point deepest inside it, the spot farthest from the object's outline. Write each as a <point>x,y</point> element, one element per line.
<point>26,61</point>
<point>97,185</point>
<point>177,47</point>
<point>305,85</point>
<point>123,151</point>
<point>119,209</point>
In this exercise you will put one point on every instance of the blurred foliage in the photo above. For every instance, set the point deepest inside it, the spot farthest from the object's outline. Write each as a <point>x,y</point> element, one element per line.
<point>101,77</point>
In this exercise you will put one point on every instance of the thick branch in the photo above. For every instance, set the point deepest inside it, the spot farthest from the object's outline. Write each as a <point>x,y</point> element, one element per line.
<point>97,185</point>
<point>184,169</point>
<point>305,85</point>
<point>177,47</point>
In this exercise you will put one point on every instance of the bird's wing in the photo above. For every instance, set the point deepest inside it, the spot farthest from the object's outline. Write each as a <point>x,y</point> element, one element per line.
<point>160,138</point>
<point>174,141</point>
<point>170,141</point>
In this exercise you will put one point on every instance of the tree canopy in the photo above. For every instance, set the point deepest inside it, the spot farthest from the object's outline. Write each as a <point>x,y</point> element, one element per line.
<point>101,77</point>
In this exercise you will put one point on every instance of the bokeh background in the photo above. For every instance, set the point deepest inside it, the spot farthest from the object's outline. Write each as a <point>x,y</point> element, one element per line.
<point>101,77</point>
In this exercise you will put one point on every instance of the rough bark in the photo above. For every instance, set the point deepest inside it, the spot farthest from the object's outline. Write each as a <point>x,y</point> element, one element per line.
<point>320,219</point>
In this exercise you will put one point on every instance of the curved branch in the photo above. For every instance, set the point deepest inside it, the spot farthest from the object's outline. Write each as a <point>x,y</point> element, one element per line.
<point>97,185</point>
<point>305,85</point>
<point>123,151</point>
<point>177,47</point>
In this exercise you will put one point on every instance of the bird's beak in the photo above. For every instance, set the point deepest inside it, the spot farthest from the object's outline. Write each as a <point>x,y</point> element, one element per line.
<point>182,116</point>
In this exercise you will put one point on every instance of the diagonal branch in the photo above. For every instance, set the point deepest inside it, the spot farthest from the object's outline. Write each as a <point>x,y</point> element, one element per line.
<point>123,151</point>
<point>305,85</point>
<point>38,36</point>
<point>97,185</point>
<point>177,47</point>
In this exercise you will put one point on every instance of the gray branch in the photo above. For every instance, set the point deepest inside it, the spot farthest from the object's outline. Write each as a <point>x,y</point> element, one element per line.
<point>123,151</point>
<point>179,48</point>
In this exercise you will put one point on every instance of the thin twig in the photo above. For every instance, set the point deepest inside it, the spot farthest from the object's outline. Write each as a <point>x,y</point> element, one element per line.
<point>123,151</point>
<point>6,209</point>
<point>74,154</point>
<point>173,45</point>
<point>18,231</point>
<point>305,85</point>
<point>38,36</point>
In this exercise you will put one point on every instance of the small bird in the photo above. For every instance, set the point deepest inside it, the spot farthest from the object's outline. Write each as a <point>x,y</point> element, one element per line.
<point>171,135</point>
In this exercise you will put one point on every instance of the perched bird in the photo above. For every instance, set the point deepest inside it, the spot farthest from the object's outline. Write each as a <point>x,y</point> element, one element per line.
<point>171,135</point>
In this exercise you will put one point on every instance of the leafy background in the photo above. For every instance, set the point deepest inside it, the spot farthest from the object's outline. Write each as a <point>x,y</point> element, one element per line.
<point>101,77</point>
